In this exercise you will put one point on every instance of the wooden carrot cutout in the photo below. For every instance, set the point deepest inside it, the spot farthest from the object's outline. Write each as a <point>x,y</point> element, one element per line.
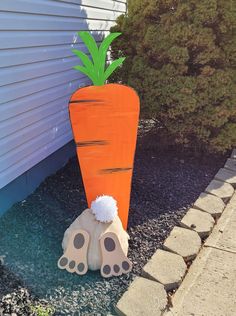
<point>104,119</point>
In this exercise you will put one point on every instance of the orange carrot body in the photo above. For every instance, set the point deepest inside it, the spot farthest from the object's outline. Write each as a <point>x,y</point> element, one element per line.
<point>104,121</point>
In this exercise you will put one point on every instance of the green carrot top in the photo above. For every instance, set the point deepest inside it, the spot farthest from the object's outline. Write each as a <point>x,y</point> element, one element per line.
<point>96,69</point>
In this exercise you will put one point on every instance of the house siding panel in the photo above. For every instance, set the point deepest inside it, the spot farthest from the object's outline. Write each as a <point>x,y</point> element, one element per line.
<point>37,78</point>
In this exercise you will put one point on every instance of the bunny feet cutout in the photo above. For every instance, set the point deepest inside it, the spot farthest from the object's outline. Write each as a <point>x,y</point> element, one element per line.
<point>75,257</point>
<point>114,261</point>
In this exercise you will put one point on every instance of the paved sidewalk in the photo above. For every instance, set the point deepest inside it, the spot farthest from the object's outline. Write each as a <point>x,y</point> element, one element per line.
<point>209,288</point>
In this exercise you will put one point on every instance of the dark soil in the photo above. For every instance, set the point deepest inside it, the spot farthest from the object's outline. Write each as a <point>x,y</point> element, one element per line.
<point>165,184</point>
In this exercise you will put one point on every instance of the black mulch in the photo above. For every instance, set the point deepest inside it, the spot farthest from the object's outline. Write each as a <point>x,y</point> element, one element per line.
<point>165,184</point>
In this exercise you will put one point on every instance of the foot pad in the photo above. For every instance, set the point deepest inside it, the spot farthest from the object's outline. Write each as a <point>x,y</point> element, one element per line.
<point>114,261</point>
<point>75,257</point>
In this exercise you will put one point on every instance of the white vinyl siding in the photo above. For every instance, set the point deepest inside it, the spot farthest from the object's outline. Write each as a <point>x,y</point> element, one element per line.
<point>36,74</point>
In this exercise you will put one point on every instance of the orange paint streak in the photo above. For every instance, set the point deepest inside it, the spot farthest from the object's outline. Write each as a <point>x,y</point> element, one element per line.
<point>104,122</point>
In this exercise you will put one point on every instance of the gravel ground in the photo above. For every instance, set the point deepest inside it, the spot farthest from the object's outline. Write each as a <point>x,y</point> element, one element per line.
<point>164,187</point>
<point>15,299</point>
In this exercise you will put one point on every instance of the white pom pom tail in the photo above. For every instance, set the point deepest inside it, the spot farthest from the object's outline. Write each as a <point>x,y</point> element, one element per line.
<point>104,208</point>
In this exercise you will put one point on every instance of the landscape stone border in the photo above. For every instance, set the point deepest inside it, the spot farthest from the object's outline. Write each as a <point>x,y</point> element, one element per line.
<point>184,242</point>
<point>165,271</point>
<point>200,222</point>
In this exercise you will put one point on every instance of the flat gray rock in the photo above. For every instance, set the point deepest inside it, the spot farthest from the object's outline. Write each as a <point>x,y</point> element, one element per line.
<point>209,287</point>
<point>230,164</point>
<point>226,175</point>
<point>143,297</point>
<point>223,235</point>
<point>210,203</point>
<point>221,189</point>
<point>183,242</point>
<point>200,222</point>
<point>233,155</point>
<point>167,268</point>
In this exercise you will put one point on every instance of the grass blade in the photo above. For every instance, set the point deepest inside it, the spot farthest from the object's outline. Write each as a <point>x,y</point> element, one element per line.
<point>84,58</point>
<point>104,48</point>
<point>112,67</point>
<point>87,73</point>
<point>92,47</point>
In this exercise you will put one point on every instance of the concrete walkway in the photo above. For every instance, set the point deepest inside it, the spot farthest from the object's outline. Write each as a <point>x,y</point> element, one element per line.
<point>209,288</point>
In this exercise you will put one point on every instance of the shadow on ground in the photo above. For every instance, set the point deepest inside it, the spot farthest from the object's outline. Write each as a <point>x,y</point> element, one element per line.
<point>164,186</point>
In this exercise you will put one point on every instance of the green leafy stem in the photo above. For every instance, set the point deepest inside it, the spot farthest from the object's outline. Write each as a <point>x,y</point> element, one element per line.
<point>96,68</point>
